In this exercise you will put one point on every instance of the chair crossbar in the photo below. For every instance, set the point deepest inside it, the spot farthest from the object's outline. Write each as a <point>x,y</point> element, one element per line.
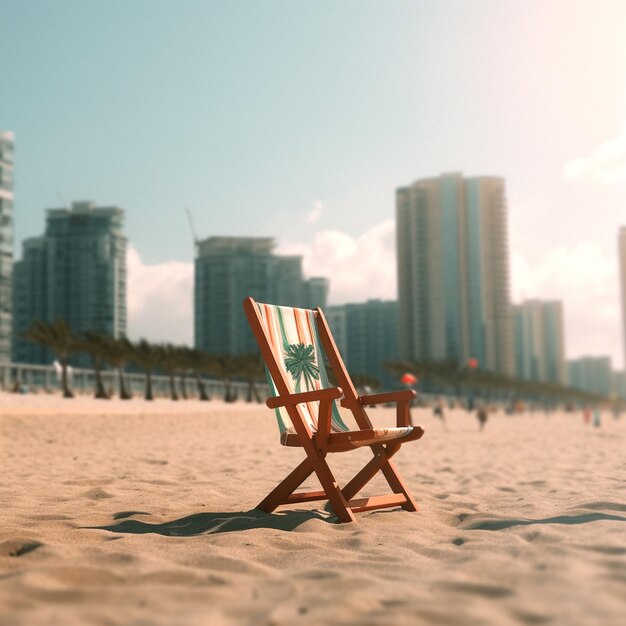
<point>377,502</point>
<point>306,496</point>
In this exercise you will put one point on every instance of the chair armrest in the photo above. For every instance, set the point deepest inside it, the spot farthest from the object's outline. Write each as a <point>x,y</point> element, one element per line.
<point>292,399</point>
<point>403,395</point>
<point>402,398</point>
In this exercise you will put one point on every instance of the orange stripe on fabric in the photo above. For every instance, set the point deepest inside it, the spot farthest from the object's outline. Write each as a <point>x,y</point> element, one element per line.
<point>270,320</point>
<point>320,356</point>
<point>270,331</point>
<point>296,315</point>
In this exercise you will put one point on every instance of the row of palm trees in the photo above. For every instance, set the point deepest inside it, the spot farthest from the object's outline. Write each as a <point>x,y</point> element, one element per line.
<point>119,353</point>
<point>449,378</point>
<point>183,362</point>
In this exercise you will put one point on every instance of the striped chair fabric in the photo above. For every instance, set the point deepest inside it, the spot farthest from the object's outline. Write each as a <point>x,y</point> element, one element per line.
<point>293,338</point>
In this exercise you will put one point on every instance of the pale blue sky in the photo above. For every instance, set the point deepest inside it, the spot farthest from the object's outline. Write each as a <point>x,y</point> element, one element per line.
<point>251,113</point>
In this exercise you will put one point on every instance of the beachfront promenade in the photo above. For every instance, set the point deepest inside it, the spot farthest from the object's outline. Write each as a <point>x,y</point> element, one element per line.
<point>46,378</point>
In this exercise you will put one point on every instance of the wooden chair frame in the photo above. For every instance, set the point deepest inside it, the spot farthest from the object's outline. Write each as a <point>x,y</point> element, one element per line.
<point>317,445</point>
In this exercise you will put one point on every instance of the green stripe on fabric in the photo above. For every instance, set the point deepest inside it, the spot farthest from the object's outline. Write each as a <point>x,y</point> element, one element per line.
<point>281,323</point>
<point>279,418</point>
<point>336,416</point>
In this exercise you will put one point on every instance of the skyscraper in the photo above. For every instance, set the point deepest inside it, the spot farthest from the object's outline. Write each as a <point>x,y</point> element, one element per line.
<point>7,145</point>
<point>366,334</point>
<point>622,265</point>
<point>76,271</point>
<point>593,374</point>
<point>539,343</point>
<point>453,271</point>
<point>229,269</point>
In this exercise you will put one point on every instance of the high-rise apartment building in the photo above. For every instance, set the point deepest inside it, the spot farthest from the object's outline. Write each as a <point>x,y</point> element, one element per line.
<point>229,269</point>
<point>366,334</point>
<point>453,271</point>
<point>593,374</point>
<point>619,384</point>
<point>622,266</point>
<point>539,343</point>
<point>7,145</point>
<point>76,271</point>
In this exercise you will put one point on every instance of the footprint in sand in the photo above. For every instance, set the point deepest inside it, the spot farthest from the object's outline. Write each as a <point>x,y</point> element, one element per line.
<point>486,591</point>
<point>96,494</point>
<point>17,547</point>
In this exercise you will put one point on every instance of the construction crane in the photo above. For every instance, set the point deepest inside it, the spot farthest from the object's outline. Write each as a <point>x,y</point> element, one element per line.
<point>192,228</point>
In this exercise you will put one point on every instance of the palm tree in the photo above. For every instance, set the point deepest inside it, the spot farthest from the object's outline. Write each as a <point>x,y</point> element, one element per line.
<point>225,367</point>
<point>184,365</point>
<point>250,367</point>
<point>169,360</point>
<point>147,357</point>
<point>97,346</point>
<point>118,351</point>
<point>361,381</point>
<point>58,337</point>
<point>199,362</point>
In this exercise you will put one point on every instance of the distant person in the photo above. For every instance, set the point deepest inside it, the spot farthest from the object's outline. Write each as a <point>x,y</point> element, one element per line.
<point>438,412</point>
<point>586,415</point>
<point>482,415</point>
<point>597,421</point>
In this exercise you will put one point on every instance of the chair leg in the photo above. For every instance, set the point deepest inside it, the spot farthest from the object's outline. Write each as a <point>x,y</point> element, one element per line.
<point>336,498</point>
<point>397,484</point>
<point>381,462</point>
<point>368,472</point>
<point>280,493</point>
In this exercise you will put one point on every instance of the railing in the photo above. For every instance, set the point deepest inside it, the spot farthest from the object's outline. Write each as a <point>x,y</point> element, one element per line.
<point>26,378</point>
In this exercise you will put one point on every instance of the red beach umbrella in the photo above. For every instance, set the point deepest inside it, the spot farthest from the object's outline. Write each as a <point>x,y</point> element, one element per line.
<point>408,379</point>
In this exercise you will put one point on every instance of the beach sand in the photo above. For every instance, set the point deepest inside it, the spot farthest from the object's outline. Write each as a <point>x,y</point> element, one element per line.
<point>524,523</point>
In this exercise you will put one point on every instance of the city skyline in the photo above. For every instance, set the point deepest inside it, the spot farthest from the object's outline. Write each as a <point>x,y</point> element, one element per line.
<point>299,121</point>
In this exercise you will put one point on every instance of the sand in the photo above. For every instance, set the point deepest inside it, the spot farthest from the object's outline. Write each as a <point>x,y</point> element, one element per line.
<point>521,524</point>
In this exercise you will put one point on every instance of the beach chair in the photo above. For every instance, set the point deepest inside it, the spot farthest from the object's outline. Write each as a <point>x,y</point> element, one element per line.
<point>293,343</point>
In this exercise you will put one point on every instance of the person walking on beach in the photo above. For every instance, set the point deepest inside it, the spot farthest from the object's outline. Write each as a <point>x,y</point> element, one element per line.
<point>586,415</point>
<point>597,422</point>
<point>438,412</point>
<point>481,414</point>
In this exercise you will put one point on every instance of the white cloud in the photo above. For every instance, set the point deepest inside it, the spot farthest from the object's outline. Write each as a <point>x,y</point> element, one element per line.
<point>315,213</point>
<point>358,267</point>
<point>606,164</point>
<point>584,278</point>
<point>160,299</point>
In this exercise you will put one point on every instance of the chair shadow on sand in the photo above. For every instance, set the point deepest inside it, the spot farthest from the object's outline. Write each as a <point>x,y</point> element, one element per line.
<point>214,522</point>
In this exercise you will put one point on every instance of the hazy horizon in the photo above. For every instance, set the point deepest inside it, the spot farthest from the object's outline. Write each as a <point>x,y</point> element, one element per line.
<point>299,121</point>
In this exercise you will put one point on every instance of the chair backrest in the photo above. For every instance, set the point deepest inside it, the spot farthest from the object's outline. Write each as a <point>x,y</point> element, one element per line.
<point>294,359</point>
